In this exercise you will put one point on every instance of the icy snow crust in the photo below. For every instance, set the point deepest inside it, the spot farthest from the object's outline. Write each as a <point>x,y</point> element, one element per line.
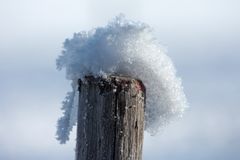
<point>128,48</point>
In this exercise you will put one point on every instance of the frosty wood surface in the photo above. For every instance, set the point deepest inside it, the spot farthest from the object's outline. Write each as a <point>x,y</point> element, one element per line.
<point>110,119</point>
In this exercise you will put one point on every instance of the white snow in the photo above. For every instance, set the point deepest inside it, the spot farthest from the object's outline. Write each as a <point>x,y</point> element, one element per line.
<point>128,48</point>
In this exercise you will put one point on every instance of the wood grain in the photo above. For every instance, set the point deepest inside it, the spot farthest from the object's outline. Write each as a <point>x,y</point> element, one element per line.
<point>110,118</point>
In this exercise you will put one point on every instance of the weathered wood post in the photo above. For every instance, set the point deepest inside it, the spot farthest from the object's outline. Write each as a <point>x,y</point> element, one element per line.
<point>110,118</point>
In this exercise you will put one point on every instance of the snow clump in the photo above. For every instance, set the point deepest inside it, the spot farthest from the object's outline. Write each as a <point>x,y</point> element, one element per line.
<point>127,48</point>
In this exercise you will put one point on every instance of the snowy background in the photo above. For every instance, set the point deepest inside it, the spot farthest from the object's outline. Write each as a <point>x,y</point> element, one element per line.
<point>202,38</point>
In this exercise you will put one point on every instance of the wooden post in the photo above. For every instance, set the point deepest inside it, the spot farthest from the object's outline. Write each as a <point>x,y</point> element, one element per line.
<point>110,118</point>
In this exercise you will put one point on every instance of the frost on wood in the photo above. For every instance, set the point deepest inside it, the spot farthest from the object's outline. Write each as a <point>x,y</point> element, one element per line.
<point>127,48</point>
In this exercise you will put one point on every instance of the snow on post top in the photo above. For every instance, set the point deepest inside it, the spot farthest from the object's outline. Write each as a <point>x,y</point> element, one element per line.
<point>127,48</point>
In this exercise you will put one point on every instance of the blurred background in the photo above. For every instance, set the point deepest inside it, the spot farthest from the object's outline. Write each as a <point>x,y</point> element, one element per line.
<point>202,38</point>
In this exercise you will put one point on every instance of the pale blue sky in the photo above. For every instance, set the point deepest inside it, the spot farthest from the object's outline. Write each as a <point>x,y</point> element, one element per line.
<point>202,38</point>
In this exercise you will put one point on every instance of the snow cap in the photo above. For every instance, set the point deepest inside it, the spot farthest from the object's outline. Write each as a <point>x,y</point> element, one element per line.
<point>128,48</point>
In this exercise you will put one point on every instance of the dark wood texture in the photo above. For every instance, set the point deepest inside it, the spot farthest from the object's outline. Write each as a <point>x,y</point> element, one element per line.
<point>110,119</point>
